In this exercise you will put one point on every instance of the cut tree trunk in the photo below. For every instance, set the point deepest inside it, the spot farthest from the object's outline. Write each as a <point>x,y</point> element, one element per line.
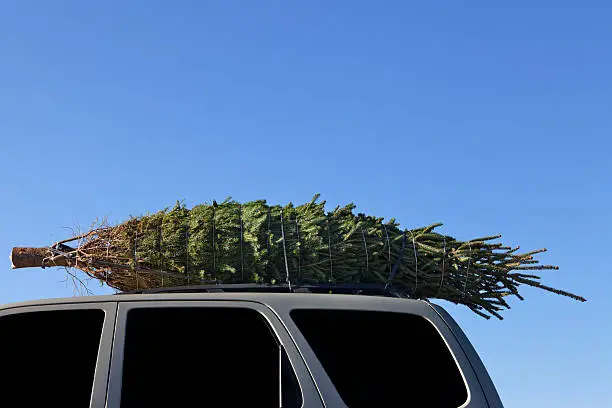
<point>24,257</point>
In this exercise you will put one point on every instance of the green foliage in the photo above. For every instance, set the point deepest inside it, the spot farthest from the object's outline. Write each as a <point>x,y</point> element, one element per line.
<point>232,242</point>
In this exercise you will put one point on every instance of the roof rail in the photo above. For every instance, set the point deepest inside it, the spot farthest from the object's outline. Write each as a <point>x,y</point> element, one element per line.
<point>371,289</point>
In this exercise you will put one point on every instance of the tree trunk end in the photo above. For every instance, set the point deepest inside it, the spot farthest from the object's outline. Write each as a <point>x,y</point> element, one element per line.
<point>25,257</point>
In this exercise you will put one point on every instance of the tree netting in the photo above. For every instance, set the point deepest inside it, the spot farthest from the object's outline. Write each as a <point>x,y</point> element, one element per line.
<point>255,242</point>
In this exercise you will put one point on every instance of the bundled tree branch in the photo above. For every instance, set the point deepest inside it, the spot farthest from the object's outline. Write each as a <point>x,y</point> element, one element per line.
<point>254,242</point>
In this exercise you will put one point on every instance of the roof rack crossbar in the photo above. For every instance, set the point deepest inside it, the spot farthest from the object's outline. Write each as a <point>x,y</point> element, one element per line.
<point>336,288</point>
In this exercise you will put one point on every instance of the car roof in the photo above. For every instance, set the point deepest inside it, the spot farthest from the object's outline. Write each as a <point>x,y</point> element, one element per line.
<point>312,299</point>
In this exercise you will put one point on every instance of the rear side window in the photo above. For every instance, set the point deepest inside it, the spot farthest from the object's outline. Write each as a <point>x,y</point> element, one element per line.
<point>187,357</point>
<point>383,359</point>
<point>49,358</point>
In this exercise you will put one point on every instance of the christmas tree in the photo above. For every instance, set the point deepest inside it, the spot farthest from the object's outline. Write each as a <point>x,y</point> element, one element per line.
<point>255,242</point>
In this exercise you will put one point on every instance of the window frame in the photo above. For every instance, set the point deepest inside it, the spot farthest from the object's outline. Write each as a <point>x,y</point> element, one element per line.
<point>99,386</point>
<point>310,395</point>
<point>475,395</point>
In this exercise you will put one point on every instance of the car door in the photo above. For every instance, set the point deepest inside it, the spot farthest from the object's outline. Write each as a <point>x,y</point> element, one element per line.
<point>56,354</point>
<point>205,353</point>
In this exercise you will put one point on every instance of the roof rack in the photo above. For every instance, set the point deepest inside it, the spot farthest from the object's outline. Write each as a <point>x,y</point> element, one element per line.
<point>371,289</point>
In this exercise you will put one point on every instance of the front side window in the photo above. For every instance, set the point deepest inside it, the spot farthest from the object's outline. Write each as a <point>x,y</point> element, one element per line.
<point>48,358</point>
<point>383,359</point>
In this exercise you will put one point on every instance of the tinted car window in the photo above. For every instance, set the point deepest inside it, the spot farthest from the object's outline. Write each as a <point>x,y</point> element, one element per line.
<point>383,359</point>
<point>186,357</point>
<point>49,358</point>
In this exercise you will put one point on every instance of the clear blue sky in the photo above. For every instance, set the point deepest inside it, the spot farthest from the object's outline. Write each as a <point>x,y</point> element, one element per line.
<point>489,117</point>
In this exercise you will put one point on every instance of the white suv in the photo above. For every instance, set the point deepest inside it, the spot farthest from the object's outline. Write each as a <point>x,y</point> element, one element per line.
<point>238,346</point>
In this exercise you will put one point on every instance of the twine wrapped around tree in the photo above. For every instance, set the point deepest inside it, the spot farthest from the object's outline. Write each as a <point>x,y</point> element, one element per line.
<point>258,243</point>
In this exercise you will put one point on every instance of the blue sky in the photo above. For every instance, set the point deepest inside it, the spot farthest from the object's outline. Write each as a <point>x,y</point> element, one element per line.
<point>489,117</point>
